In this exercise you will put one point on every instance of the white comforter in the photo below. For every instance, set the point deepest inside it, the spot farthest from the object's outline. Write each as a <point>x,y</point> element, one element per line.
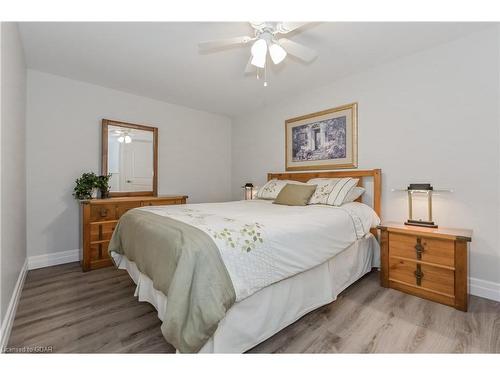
<point>262,243</point>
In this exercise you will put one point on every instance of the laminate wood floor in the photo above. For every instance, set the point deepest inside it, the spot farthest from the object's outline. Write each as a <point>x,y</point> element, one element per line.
<point>96,312</point>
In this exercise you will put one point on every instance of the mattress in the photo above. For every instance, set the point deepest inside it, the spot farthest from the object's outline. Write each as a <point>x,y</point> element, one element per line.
<point>256,318</point>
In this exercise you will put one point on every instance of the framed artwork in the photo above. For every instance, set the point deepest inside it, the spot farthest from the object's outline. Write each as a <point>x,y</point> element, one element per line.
<point>323,140</point>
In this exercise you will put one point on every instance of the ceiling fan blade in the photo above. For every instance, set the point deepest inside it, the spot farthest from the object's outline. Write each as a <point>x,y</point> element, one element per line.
<point>250,68</point>
<point>258,25</point>
<point>219,43</point>
<point>286,27</point>
<point>298,50</point>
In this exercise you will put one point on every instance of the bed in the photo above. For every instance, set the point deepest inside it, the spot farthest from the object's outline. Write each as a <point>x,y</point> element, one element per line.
<point>278,262</point>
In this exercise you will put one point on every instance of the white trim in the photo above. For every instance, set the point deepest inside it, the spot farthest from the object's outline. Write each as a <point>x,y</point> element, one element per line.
<point>12,308</point>
<point>52,259</point>
<point>485,289</point>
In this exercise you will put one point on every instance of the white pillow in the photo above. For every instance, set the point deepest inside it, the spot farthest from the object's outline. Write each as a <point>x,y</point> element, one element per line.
<point>364,217</point>
<point>331,191</point>
<point>272,188</point>
<point>354,193</point>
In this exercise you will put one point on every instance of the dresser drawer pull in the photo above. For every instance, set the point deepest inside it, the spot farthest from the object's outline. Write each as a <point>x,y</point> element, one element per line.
<point>419,275</point>
<point>419,248</point>
<point>103,212</point>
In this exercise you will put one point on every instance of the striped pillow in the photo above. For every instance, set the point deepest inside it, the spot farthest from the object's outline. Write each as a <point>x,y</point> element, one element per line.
<point>331,191</point>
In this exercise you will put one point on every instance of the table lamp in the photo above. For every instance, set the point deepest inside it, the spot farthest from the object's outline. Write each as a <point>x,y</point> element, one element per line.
<point>418,190</point>
<point>248,189</point>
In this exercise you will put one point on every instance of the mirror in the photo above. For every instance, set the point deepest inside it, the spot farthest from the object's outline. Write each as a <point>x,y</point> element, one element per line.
<point>130,155</point>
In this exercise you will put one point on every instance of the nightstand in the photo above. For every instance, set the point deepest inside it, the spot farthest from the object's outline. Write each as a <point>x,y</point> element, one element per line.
<point>430,263</point>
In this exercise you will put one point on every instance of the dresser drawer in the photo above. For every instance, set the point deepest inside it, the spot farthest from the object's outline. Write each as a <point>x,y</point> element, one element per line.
<point>431,250</point>
<point>99,252</point>
<point>101,232</point>
<point>434,279</point>
<point>102,212</point>
<point>124,207</point>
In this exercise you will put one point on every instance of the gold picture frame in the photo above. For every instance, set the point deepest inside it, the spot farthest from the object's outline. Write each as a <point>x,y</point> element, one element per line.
<point>323,140</point>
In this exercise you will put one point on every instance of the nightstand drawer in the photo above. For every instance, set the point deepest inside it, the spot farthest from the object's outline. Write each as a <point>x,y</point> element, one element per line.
<point>431,250</point>
<point>434,279</point>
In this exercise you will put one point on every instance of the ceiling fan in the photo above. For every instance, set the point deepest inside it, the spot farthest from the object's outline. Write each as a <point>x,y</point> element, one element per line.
<point>266,39</point>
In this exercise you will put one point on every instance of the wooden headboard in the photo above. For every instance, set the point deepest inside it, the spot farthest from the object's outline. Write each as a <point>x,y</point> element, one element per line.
<point>376,174</point>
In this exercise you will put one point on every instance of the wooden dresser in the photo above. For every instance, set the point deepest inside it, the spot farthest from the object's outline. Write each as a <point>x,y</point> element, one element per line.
<point>99,217</point>
<point>429,263</point>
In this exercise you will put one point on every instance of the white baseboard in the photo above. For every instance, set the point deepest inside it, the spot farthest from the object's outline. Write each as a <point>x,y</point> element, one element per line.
<point>8,320</point>
<point>52,259</point>
<point>485,289</point>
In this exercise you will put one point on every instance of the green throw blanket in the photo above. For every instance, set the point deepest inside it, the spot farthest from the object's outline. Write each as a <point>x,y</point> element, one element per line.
<point>185,264</point>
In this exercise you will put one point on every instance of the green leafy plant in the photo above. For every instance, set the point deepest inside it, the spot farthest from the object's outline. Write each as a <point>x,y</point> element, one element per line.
<point>84,185</point>
<point>102,183</point>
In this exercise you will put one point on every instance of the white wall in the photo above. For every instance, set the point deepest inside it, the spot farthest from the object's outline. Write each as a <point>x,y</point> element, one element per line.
<point>63,141</point>
<point>13,169</point>
<point>430,117</point>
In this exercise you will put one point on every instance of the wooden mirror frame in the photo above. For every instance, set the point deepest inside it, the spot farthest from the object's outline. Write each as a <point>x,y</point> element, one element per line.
<point>104,156</point>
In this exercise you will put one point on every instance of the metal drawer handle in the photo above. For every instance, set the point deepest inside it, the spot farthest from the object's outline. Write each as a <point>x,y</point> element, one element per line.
<point>104,212</point>
<point>419,275</point>
<point>419,248</point>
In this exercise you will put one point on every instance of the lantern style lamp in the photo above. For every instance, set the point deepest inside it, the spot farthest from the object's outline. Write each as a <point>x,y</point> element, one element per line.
<point>248,190</point>
<point>413,191</point>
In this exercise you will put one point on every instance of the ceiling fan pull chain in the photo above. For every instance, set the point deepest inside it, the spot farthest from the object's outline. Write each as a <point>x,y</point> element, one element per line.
<point>265,75</point>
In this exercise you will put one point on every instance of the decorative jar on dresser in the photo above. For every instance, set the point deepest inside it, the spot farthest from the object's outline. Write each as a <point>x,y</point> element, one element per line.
<point>99,218</point>
<point>429,263</point>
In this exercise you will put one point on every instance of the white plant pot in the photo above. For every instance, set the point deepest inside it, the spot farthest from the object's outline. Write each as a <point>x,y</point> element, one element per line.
<point>94,193</point>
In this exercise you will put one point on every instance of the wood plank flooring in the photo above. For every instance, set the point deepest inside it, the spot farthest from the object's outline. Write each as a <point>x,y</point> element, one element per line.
<point>96,312</point>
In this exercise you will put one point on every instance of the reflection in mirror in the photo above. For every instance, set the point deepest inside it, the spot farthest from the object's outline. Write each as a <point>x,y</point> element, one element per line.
<point>130,159</point>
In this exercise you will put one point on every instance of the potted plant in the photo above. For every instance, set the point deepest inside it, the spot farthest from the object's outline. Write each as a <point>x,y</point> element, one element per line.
<point>86,186</point>
<point>102,183</point>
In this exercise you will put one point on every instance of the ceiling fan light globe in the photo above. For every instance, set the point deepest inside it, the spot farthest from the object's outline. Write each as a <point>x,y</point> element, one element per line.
<point>121,139</point>
<point>128,139</point>
<point>277,53</point>
<point>259,61</point>
<point>259,48</point>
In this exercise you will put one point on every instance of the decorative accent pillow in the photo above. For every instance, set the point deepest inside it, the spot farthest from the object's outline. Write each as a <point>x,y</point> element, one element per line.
<point>354,193</point>
<point>295,195</point>
<point>331,191</point>
<point>271,188</point>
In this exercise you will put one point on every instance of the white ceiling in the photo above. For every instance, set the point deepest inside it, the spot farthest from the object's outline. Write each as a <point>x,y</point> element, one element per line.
<point>161,60</point>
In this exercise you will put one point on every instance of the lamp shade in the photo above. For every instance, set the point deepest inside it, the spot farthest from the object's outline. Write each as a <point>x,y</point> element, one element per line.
<point>277,53</point>
<point>259,52</point>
